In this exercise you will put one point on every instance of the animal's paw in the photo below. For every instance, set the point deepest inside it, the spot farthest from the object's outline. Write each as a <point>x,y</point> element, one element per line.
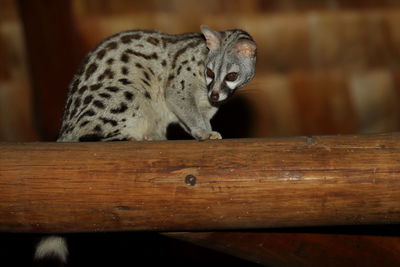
<point>211,136</point>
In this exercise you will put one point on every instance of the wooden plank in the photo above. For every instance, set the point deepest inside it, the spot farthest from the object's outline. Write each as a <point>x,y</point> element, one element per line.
<point>190,185</point>
<point>301,249</point>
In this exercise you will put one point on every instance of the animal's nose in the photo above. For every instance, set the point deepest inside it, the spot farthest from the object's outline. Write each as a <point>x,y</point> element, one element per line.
<point>214,96</point>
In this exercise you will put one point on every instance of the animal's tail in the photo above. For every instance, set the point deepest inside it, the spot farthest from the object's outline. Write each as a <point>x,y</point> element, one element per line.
<point>51,251</point>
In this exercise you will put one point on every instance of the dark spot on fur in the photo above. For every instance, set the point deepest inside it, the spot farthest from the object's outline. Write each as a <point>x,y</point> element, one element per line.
<point>146,75</point>
<point>113,89</point>
<point>98,104</point>
<point>63,128</point>
<point>112,134</point>
<point>147,95</point>
<point>111,46</point>
<point>193,58</point>
<point>90,138</point>
<point>100,78</point>
<point>66,114</point>
<point>124,81</point>
<point>110,61</point>
<point>168,40</point>
<point>124,70</point>
<point>151,71</point>
<point>77,102</point>
<point>88,99</point>
<point>90,70</point>
<point>128,95</point>
<point>87,113</point>
<point>188,68</point>
<point>72,114</point>
<point>68,104</point>
<point>105,95</point>
<point>110,121</point>
<point>164,63</point>
<point>69,129</point>
<point>179,70</point>
<point>95,87</point>
<point>185,62</point>
<point>84,123</point>
<point>109,73</point>
<point>145,56</point>
<point>125,58</point>
<point>74,86</point>
<point>153,41</point>
<point>101,53</point>
<point>139,65</point>
<point>170,77</point>
<point>97,128</point>
<point>128,38</point>
<point>183,50</point>
<point>122,108</point>
<point>145,82</point>
<point>182,85</point>
<point>82,89</point>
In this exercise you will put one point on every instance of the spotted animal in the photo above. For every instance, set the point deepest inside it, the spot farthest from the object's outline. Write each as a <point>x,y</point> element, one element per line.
<point>135,83</point>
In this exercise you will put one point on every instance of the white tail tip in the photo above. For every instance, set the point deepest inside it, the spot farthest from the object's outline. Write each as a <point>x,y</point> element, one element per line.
<point>52,247</point>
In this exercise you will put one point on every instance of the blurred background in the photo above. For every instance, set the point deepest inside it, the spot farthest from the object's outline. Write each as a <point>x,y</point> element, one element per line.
<point>324,66</point>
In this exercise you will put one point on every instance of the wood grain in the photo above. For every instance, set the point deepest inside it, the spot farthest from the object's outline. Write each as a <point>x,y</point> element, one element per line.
<point>235,184</point>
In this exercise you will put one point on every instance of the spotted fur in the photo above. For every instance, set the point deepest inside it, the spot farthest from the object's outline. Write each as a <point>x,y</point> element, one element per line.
<point>135,83</point>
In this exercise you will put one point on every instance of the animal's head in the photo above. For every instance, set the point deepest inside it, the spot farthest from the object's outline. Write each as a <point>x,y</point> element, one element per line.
<point>230,62</point>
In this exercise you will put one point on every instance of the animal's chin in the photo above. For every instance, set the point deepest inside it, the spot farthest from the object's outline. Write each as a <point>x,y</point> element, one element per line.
<point>219,102</point>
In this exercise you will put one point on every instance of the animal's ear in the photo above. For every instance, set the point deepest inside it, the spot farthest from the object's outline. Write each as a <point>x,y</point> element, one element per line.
<point>245,48</point>
<point>213,38</point>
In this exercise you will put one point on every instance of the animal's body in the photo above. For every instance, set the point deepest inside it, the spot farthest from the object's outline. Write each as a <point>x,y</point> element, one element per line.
<point>135,83</point>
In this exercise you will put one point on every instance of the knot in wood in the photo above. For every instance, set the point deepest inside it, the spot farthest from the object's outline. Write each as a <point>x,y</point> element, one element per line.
<point>190,180</point>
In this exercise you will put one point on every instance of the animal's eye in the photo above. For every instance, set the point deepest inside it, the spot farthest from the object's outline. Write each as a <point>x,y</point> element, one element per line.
<point>231,77</point>
<point>210,73</point>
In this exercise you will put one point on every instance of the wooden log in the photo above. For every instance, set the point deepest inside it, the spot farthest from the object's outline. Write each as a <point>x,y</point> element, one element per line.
<point>190,185</point>
<point>301,249</point>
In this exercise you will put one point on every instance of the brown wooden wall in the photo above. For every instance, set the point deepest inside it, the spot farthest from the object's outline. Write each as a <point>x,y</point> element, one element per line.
<point>324,67</point>
<point>16,120</point>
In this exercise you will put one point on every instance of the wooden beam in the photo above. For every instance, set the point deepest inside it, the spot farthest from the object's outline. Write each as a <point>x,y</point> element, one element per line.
<point>301,249</point>
<point>190,185</point>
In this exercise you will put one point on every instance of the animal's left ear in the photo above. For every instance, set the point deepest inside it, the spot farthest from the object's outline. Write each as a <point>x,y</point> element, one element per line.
<point>213,38</point>
<point>245,48</point>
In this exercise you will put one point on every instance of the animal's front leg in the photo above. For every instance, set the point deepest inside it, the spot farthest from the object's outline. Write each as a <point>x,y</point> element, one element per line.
<point>190,117</point>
